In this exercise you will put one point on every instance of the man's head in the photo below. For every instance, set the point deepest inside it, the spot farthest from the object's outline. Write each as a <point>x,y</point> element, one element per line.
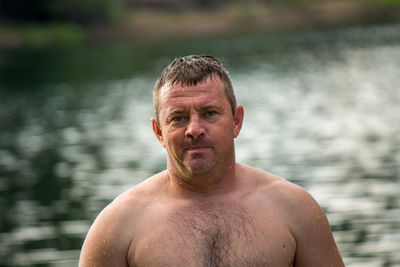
<point>191,70</point>
<point>196,117</point>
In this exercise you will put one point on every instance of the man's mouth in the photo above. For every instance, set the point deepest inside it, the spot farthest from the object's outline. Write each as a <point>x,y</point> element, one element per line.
<point>197,148</point>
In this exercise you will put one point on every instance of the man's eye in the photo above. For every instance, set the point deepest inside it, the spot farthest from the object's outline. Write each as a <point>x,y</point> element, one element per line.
<point>178,118</point>
<point>210,113</point>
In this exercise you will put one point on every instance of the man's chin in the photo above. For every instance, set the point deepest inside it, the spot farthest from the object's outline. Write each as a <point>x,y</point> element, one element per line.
<point>199,166</point>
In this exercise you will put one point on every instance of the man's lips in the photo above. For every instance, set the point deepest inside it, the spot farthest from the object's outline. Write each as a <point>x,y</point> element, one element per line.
<point>200,145</point>
<point>197,148</point>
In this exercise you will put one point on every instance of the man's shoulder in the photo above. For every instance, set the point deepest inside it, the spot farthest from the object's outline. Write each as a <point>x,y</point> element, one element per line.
<point>278,198</point>
<point>276,188</point>
<point>262,179</point>
<point>141,193</point>
<point>288,199</point>
<point>116,225</point>
<point>131,202</point>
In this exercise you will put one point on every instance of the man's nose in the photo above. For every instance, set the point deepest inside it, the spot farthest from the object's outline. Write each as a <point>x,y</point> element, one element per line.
<point>195,127</point>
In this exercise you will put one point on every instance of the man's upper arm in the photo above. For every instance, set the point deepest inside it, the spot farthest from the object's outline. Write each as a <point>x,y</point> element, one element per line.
<point>106,243</point>
<point>315,245</point>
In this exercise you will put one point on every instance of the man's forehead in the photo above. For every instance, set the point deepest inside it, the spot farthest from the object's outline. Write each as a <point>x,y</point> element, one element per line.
<point>200,104</point>
<point>213,81</point>
<point>180,98</point>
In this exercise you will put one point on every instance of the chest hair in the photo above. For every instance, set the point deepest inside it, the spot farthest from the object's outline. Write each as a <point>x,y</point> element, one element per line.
<point>218,236</point>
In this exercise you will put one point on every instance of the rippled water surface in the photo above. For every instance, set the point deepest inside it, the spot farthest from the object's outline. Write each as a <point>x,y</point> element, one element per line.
<point>321,109</point>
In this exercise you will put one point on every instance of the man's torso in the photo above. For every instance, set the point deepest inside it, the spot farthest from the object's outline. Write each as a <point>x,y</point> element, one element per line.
<point>237,230</point>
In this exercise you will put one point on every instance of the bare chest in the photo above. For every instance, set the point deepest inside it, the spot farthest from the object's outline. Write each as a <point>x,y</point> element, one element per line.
<point>214,238</point>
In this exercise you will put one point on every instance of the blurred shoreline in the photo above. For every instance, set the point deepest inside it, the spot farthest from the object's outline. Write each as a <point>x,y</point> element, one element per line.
<point>144,25</point>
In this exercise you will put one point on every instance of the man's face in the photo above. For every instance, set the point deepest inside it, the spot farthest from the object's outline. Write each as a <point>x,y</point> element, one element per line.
<point>196,126</point>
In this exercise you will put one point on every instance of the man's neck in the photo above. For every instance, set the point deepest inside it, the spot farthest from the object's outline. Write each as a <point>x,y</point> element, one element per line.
<point>208,183</point>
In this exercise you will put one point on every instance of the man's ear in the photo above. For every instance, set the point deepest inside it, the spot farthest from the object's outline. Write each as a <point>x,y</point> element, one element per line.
<point>238,120</point>
<point>157,131</point>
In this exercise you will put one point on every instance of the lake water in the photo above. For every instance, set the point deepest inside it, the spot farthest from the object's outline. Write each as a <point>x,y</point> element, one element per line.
<point>322,109</point>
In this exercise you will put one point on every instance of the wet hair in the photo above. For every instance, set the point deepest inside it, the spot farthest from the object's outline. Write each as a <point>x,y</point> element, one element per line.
<point>189,71</point>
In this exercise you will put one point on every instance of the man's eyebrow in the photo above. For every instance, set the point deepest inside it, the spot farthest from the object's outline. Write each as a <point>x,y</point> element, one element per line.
<point>210,106</point>
<point>175,112</point>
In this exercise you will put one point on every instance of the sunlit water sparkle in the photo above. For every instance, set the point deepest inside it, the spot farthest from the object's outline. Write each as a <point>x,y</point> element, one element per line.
<point>321,110</point>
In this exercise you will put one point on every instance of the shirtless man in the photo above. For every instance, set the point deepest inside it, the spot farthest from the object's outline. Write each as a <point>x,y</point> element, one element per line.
<point>206,209</point>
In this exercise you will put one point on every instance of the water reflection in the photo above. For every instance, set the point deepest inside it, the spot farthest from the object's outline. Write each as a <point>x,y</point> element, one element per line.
<point>321,109</point>
<point>331,124</point>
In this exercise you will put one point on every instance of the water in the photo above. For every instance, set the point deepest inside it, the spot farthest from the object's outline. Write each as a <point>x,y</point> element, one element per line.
<point>321,109</point>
